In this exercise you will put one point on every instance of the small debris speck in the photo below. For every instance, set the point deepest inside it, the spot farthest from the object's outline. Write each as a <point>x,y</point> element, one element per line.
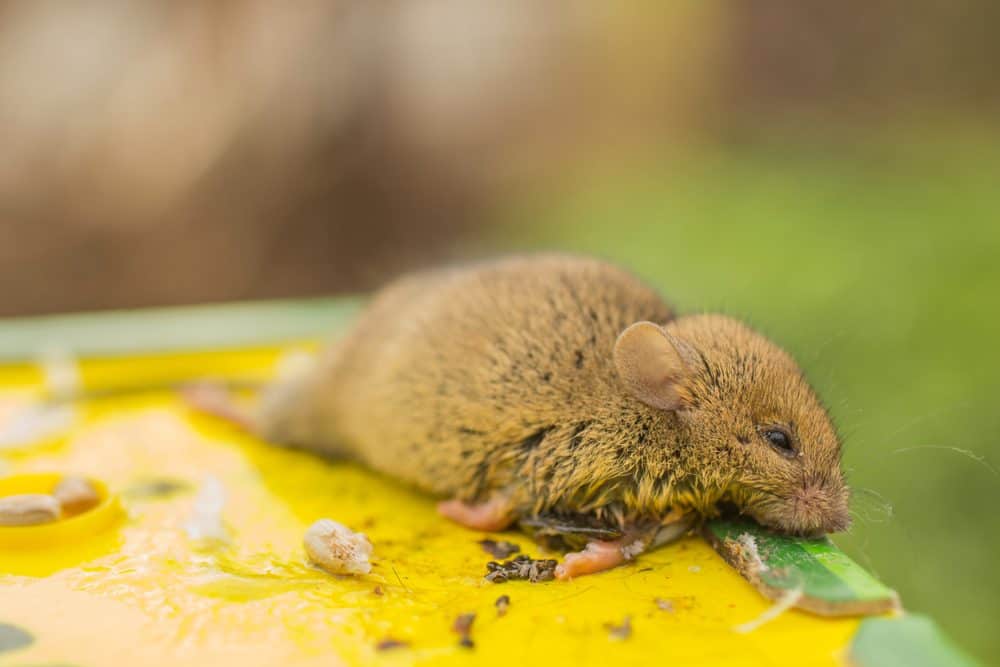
<point>502,604</point>
<point>463,623</point>
<point>521,567</point>
<point>620,632</point>
<point>664,605</point>
<point>388,644</point>
<point>463,626</point>
<point>378,590</point>
<point>694,568</point>
<point>499,548</point>
<point>157,488</point>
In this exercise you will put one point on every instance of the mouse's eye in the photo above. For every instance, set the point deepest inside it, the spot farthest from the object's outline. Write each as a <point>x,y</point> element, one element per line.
<point>780,440</point>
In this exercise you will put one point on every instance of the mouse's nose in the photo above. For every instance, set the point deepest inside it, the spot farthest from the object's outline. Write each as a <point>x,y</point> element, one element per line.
<point>819,509</point>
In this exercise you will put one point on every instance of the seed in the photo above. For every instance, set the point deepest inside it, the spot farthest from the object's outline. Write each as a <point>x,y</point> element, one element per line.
<point>29,509</point>
<point>521,567</point>
<point>76,495</point>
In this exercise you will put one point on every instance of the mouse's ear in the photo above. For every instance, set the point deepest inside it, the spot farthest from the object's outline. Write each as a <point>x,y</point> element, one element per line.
<point>650,366</point>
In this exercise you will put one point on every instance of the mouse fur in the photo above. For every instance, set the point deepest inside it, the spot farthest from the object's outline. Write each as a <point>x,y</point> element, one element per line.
<point>570,386</point>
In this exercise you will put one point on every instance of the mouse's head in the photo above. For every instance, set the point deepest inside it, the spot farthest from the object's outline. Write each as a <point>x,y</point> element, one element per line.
<point>758,434</point>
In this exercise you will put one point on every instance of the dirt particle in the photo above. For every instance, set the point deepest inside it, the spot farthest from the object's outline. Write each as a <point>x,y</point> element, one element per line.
<point>378,590</point>
<point>502,604</point>
<point>463,626</point>
<point>499,548</point>
<point>620,632</point>
<point>388,644</point>
<point>463,623</point>
<point>156,488</point>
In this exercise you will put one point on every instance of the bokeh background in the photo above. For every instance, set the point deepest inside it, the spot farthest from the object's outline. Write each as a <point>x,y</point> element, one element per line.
<point>828,171</point>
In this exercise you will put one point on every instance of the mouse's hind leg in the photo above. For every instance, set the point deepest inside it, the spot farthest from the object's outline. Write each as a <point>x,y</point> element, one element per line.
<point>492,515</point>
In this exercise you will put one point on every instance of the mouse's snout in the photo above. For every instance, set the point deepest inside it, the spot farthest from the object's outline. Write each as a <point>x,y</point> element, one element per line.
<point>819,508</point>
<point>812,510</point>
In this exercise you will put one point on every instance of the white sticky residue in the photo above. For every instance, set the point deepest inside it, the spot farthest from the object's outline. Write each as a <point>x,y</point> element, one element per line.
<point>788,599</point>
<point>62,374</point>
<point>34,422</point>
<point>205,522</point>
<point>630,551</point>
<point>750,552</point>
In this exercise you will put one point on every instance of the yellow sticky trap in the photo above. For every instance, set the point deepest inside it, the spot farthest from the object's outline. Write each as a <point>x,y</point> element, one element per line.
<point>160,593</point>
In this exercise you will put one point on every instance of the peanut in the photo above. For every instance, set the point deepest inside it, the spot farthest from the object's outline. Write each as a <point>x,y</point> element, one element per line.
<point>28,509</point>
<point>76,495</point>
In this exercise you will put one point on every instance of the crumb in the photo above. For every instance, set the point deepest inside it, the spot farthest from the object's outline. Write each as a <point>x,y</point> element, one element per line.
<point>664,605</point>
<point>502,604</point>
<point>621,632</point>
<point>499,548</point>
<point>389,644</point>
<point>521,567</point>
<point>337,549</point>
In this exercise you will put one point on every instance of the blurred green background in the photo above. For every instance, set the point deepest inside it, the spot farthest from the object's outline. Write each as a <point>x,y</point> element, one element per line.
<point>828,171</point>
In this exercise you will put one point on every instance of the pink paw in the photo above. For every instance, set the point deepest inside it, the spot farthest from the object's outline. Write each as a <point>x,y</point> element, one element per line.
<point>490,516</point>
<point>596,557</point>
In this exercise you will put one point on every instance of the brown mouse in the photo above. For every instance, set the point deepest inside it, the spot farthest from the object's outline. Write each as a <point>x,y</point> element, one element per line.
<point>563,391</point>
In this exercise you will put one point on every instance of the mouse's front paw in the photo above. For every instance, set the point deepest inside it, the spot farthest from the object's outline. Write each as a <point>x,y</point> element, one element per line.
<point>490,516</point>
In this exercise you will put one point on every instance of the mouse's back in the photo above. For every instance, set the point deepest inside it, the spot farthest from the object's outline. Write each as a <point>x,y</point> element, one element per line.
<point>450,376</point>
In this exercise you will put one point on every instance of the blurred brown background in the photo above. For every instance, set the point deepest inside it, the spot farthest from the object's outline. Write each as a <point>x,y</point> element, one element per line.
<point>175,152</point>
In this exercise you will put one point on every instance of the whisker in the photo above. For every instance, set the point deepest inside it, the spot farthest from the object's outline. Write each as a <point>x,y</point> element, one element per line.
<point>978,458</point>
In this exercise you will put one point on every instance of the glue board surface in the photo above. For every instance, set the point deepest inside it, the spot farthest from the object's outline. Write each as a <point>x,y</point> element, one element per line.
<point>206,564</point>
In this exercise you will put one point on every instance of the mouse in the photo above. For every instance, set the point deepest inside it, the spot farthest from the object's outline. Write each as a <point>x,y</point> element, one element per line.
<point>563,394</point>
